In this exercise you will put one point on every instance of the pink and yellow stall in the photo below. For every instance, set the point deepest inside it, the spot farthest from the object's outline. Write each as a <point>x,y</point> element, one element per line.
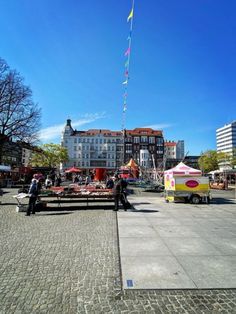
<point>183,183</point>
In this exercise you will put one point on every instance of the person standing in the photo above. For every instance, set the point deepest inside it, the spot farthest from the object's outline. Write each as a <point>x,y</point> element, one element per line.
<point>119,190</point>
<point>109,183</point>
<point>58,180</point>
<point>48,182</point>
<point>33,195</point>
<point>87,180</point>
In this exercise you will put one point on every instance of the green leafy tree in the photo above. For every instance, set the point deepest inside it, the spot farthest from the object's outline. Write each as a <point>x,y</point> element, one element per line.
<point>233,159</point>
<point>210,160</point>
<point>49,155</point>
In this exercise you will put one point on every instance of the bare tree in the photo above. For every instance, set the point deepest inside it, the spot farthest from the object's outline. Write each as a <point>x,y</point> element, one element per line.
<point>19,115</point>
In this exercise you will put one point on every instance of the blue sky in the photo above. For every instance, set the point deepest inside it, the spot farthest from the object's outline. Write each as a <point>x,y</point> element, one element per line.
<point>182,69</point>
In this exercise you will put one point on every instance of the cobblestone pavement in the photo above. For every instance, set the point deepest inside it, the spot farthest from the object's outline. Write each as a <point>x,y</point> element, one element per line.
<point>68,262</point>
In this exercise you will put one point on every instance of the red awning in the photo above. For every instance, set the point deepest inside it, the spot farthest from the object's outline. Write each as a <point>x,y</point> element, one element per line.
<point>73,170</point>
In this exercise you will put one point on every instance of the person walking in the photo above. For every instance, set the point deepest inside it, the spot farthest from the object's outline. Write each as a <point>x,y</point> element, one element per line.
<point>33,195</point>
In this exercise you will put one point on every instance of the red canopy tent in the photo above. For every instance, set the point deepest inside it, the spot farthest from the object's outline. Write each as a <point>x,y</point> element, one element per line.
<point>73,170</point>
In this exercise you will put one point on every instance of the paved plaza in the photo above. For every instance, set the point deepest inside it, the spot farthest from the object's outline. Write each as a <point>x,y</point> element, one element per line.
<point>70,261</point>
<point>177,245</point>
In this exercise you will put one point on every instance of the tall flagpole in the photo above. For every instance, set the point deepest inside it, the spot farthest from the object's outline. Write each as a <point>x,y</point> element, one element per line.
<point>127,77</point>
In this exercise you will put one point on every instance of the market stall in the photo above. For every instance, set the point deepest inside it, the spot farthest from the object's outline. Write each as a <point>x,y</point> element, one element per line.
<point>185,183</point>
<point>70,195</point>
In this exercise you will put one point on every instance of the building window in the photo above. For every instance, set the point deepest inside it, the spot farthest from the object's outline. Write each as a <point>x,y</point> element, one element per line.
<point>152,140</point>
<point>75,148</point>
<point>144,139</point>
<point>136,139</point>
<point>75,140</point>
<point>159,141</point>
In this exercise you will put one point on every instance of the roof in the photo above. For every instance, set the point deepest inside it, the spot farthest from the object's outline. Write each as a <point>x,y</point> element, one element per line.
<point>170,144</point>
<point>144,131</point>
<point>183,170</point>
<point>92,132</point>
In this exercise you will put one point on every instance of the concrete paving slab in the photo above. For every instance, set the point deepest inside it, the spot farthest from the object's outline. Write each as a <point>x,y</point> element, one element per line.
<point>215,232</point>
<point>210,271</point>
<point>176,231</point>
<point>137,214</point>
<point>136,231</point>
<point>186,234</point>
<point>133,221</point>
<point>154,272</point>
<point>143,247</point>
<point>191,246</point>
<point>156,221</point>
<point>226,246</point>
<point>199,221</point>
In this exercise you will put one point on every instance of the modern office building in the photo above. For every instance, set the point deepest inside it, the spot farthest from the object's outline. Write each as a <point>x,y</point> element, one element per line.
<point>180,149</point>
<point>226,141</point>
<point>97,148</point>
<point>226,138</point>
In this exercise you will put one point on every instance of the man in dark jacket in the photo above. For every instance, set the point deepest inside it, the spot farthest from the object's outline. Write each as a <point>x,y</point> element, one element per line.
<point>119,192</point>
<point>33,195</point>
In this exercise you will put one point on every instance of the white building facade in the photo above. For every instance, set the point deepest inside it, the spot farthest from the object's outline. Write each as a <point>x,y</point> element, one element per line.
<point>226,138</point>
<point>170,149</point>
<point>93,148</point>
<point>226,141</point>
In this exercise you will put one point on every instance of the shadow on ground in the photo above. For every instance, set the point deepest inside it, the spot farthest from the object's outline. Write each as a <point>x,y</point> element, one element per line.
<point>220,200</point>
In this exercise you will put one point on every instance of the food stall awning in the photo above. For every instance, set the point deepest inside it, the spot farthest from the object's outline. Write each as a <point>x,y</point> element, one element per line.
<point>5,168</point>
<point>131,164</point>
<point>73,170</point>
<point>183,170</point>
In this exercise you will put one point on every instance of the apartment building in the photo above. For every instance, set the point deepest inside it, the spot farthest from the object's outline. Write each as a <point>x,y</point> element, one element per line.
<point>145,145</point>
<point>170,149</point>
<point>94,148</point>
<point>108,149</point>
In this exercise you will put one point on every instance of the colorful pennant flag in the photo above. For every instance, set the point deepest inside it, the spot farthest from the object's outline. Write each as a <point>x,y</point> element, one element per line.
<point>130,15</point>
<point>127,52</point>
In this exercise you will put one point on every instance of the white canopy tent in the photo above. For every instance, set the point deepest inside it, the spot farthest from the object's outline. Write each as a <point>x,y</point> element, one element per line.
<point>183,170</point>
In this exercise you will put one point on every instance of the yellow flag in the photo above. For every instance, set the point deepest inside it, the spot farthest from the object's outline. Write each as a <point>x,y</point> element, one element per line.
<point>130,15</point>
